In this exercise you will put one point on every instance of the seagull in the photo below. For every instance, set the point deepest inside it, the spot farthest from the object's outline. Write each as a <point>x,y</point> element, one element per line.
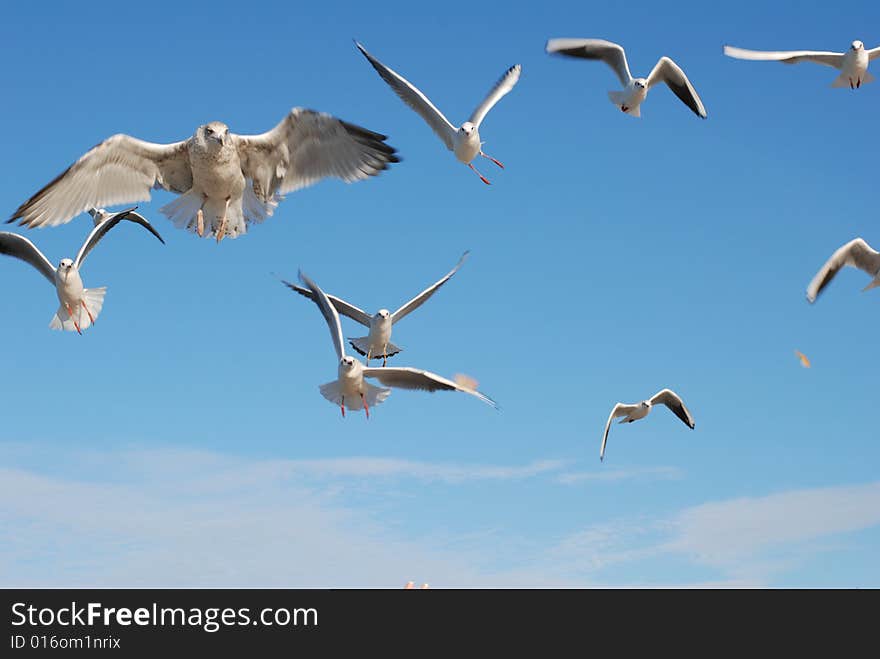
<point>378,342</point>
<point>224,180</point>
<point>634,89</point>
<point>853,64</point>
<point>463,141</point>
<point>66,278</point>
<point>856,253</point>
<point>638,411</point>
<point>100,215</point>
<point>350,388</point>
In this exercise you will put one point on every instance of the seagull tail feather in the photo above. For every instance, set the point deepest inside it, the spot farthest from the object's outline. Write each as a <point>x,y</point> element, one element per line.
<point>362,345</point>
<point>94,299</point>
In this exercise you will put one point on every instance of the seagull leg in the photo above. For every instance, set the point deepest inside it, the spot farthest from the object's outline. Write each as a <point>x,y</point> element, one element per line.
<point>851,86</point>
<point>482,178</point>
<point>366,407</point>
<point>91,317</point>
<point>858,83</point>
<point>200,223</point>
<point>75,324</point>
<point>221,232</point>
<point>385,355</point>
<point>343,407</point>
<point>369,354</point>
<point>492,159</point>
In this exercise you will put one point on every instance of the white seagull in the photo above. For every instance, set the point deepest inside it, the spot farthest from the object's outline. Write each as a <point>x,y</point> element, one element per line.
<point>224,180</point>
<point>378,343</point>
<point>853,64</point>
<point>635,90</point>
<point>856,253</point>
<point>638,411</point>
<point>463,141</point>
<point>351,390</point>
<point>66,278</point>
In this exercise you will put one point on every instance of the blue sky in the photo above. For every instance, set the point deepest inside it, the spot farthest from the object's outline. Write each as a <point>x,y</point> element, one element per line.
<point>183,441</point>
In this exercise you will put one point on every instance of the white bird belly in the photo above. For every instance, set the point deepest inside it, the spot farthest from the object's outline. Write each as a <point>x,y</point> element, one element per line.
<point>69,288</point>
<point>380,336</point>
<point>467,147</point>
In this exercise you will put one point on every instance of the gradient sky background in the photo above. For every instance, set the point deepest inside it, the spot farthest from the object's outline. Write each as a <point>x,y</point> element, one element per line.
<point>183,440</point>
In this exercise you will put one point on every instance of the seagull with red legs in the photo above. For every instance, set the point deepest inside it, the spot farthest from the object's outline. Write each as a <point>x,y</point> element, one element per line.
<point>79,306</point>
<point>350,389</point>
<point>463,141</point>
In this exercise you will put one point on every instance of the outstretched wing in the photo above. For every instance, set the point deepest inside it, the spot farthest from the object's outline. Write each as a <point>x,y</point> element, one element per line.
<point>671,400</point>
<point>413,97</point>
<point>319,297</point>
<point>596,49</point>
<point>502,87</point>
<point>415,378</point>
<point>119,170</point>
<point>618,410</point>
<point>856,253</point>
<point>873,53</point>
<point>20,247</point>
<point>103,227</point>
<point>341,306</point>
<point>422,297</point>
<point>787,56</point>
<point>669,72</point>
<point>308,146</point>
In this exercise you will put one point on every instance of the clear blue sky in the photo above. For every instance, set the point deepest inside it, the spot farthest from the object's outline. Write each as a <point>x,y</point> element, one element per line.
<point>183,440</point>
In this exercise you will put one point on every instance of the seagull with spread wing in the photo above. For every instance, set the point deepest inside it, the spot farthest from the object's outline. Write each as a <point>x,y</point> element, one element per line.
<point>638,411</point>
<point>853,64</point>
<point>463,141</point>
<point>66,278</point>
<point>378,343</point>
<point>224,180</point>
<point>635,90</point>
<point>857,254</point>
<point>351,390</point>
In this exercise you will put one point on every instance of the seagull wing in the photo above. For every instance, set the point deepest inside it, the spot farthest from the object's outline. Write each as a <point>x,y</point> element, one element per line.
<point>20,247</point>
<point>787,56</point>
<point>414,98</point>
<point>610,53</point>
<point>340,305</point>
<point>669,72</point>
<point>422,297</point>
<point>504,85</point>
<point>415,378</point>
<point>671,400</point>
<point>101,230</point>
<point>856,253</point>
<point>119,170</point>
<point>621,409</point>
<point>308,146</point>
<point>874,53</point>
<point>319,297</point>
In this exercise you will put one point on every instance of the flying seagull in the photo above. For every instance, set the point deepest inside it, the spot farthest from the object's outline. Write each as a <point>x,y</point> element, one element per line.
<point>66,278</point>
<point>378,343</point>
<point>634,89</point>
<point>856,253</point>
<point>638,411</point>
<point>463,141</point>
<point>224,180</point>
<point>350,388</point>
<point>853,64</point>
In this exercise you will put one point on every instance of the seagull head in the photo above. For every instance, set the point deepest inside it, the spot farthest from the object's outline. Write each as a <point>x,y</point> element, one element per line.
<point>216,132</point>
<point>641,83</point>
<point>65,267</point>
<point>384,314</point>
<point>857,45</point>
<point>467,128</point>
<point>346,363</point>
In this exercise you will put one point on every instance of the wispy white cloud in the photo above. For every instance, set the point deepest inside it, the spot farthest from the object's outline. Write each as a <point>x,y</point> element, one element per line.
<point>660,473</point>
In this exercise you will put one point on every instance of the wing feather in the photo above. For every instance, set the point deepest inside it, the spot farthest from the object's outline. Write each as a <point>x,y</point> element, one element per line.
<point>856,253</point>
<point>415,378</point>
<point>341,306</point>
<point>119,170</point>
<point>787,56</point>
<point>669,72</point>
<point>329,313</point>
<point>102,228</point>
<point>413,97</point>
<point>502,87</point>
<point>423,297</point>
<point>672,400</point>
<point>20,247</point>
<point>594,49</point>
<point>307,146</point>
